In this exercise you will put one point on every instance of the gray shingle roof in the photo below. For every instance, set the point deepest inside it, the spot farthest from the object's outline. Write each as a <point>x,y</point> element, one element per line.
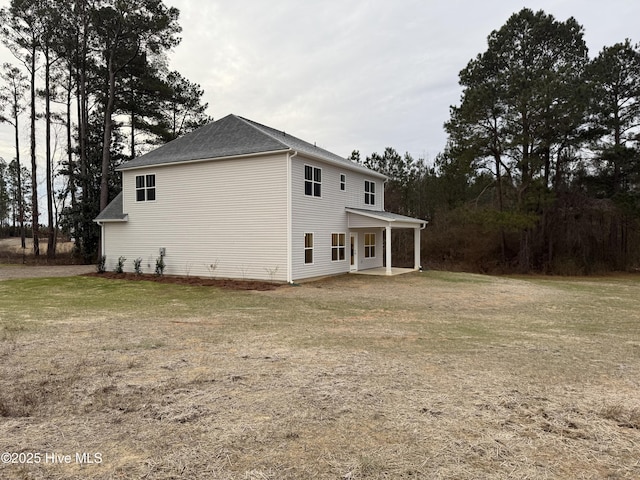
<point>113,211</point>
<point>231,136</point>
<point>227,137</point>
<point>294,143</point>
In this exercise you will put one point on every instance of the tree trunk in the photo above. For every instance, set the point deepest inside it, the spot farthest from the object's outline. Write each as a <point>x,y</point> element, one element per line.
<point>35,228</point>
<point>23,243</point>
<point>83,232</point>
<point>71,164</point>
<point>133,135</point>
<point>503,239</point>
<point>51,244</point>
<point>106,144</point>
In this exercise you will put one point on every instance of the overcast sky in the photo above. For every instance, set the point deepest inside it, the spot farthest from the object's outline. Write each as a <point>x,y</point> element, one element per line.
<point>352,74</point>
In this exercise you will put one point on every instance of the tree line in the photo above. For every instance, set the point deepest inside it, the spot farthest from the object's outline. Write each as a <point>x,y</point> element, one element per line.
<point>95,75</point>
<point>541,171</point>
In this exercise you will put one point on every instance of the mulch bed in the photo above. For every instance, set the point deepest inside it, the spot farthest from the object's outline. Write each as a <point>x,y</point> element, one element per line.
<point>225,283</point>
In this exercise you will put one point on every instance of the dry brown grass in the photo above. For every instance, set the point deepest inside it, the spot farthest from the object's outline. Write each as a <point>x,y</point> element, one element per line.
<point>11,246</point>
<point>431,375</point>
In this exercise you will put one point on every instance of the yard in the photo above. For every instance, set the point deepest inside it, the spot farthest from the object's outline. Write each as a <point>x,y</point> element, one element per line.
<point>427,375</point>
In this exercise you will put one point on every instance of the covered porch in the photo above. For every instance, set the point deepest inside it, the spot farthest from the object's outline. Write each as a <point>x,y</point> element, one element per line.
<point>365,221</point>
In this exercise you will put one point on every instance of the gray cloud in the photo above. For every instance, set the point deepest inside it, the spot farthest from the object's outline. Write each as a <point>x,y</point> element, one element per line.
<point>352,74</point>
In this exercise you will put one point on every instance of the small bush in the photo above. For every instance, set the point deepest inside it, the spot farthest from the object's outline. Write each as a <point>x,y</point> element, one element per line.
<point>120,265</point>
<point>102,261</point>
<point>212,267</point>
<point>160,265</point>
<point>137,266</point>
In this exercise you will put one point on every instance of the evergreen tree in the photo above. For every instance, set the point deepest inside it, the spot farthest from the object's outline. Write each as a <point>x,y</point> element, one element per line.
<point>522,108</point>
<point>21,30</point>
<point>12,89</point>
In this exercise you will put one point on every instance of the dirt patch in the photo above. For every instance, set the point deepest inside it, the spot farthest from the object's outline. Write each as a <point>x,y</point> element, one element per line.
<point>225,283</point>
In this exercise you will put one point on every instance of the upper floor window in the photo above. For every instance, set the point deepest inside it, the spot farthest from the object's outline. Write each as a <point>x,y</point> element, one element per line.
<point>343,182</point>
<point>145,188</point>
<point>369,193</point>
<point>312,181</point>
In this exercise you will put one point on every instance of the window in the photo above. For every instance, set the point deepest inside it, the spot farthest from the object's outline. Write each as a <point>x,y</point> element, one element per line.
<point>369,245</point>
<point>308,248</point>
<point>145,188</point>
<point>312,181</point>
<point>343,182</point>
<point>338,248</point>
<point>369,193</point>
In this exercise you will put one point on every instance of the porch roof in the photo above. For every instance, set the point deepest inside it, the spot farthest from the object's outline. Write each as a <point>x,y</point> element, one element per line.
<point>113,212</point>
<point>381,218</point>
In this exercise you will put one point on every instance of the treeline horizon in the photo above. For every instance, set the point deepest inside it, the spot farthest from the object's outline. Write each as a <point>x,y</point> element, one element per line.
<point>94,76</point>
<point>541,172</point>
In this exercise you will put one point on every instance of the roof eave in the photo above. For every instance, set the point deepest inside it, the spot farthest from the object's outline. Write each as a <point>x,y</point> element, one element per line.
<point>112,220</point>
<point>123,167</point>
<point>372,214</point>
<point>343,164</point>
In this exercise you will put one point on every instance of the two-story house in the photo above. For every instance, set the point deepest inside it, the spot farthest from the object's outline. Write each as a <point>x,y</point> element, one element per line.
<point>237,199</point>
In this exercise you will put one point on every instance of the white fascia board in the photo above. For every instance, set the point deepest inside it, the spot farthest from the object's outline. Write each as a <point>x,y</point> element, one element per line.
<point>124,168</point>
<point>345,165</point>
<point>112,220</point>
<point>400,220</point>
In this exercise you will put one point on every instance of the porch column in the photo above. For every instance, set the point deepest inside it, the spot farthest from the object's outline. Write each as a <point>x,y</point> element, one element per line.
<point>416,248</point>
<point>388,249</point>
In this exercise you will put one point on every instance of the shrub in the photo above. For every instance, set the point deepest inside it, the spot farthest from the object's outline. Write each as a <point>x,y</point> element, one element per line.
<point>120,265</point>
<point>137,266</point>
<point>102,261</point>
<point>160,265</point>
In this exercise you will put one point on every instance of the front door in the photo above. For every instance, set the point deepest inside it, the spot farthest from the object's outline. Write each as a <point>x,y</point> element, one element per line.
<point>354,252</point>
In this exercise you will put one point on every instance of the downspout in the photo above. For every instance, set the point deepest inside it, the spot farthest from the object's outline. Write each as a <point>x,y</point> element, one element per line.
<point>384,184</point>
<point>289,218</point>
<point>102,239</point>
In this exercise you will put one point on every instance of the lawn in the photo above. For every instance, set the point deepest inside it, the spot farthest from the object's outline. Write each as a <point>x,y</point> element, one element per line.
<point>427,375</point>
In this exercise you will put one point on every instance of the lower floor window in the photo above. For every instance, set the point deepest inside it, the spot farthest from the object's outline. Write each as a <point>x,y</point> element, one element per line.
<point>308,248</point>
<point>338,247</point>
<point>369,245</point>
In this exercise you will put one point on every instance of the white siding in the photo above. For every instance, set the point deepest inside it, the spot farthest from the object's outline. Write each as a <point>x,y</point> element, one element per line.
<point>378,260</point>
<point>233,212</point>
<point>360,221</point>
<point>325,215</point>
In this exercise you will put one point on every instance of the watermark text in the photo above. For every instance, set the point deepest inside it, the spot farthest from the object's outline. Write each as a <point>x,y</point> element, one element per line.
<point>51,458</point>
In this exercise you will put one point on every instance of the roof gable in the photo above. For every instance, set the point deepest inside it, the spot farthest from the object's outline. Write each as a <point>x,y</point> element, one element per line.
<point>227,137</point>
<point>234,136</point>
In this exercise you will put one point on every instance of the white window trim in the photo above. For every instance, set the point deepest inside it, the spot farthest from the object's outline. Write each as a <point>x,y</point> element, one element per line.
<point>374,245</point>
<point>305,248</point>
<point>338,247</point>
<point>145,188</point>
<point>368,194</point>
<point>313,181</point>
<point>343,182</point>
